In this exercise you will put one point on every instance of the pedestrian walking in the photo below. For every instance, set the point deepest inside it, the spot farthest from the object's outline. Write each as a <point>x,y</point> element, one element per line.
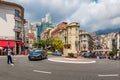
<point>9,57</point>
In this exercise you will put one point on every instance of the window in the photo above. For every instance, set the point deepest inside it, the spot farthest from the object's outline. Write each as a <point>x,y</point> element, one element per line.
<point>84,46</point>
<point>76,29</point>
<point>84,36</point>
<point>17,13</point>
<point>17,24</point>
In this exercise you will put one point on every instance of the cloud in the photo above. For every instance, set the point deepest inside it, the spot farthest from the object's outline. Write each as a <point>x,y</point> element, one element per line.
<point>100,15</point>
<point>91,14</point>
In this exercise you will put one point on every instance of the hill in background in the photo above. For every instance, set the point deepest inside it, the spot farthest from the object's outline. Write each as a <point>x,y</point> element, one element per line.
<point>108,30</point>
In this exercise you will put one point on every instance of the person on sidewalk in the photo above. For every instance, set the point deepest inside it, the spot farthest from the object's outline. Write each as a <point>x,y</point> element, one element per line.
<point>9,57</point>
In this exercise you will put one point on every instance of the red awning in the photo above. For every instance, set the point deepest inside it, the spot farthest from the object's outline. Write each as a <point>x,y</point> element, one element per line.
<point>20,42</point>
<point>7,43</point>
<point>10,43</point>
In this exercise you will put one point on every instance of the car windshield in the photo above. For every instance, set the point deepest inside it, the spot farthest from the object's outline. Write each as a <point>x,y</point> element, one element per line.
<point>37,52</point>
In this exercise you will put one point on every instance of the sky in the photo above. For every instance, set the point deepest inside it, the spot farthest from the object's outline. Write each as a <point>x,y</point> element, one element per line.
<point>92,15</point>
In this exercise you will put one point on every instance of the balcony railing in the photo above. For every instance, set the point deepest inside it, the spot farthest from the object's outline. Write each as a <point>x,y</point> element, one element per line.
<point>17,29</point>
<point>17,18</point>
<point>18,38</point>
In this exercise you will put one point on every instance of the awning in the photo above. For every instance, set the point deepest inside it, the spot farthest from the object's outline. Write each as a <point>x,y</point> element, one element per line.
<point>7,43</point>
<point>20,42</point>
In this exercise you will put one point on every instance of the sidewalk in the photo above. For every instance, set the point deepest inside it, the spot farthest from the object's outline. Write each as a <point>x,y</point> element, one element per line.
<point>78,60</point>
<point>13,55</point>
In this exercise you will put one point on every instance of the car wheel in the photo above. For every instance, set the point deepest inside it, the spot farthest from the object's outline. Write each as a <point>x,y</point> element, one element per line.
<point>40,57</point>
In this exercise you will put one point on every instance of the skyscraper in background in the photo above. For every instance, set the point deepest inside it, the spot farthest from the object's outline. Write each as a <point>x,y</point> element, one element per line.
<point>45,23</point>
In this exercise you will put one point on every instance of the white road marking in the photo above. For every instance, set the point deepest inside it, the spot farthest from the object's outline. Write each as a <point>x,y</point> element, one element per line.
<point>109,75</point>
<point>79,62</point>
<point>42,71</point>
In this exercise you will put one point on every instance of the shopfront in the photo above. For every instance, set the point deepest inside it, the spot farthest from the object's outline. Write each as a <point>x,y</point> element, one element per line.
<point>16,46</point>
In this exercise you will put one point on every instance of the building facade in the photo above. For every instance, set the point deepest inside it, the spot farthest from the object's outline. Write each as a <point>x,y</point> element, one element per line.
<point>117,40</point>
<point>11,24</point>
<point>86,42</point>
<point>45,23</point>
<point>30,34</point>
<point>56,31</point>
<point>46,33</point>
<point>70,38</point>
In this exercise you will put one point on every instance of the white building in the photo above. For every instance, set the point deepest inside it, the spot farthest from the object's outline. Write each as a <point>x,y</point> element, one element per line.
<point>86,41</point>
<point>11,25</point>
<point>30,35</point>
<point>117,40</point>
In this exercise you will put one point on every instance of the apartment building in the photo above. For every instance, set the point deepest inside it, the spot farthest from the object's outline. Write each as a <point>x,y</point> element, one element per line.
<point>11,23</point>
<point>46,33</point>
<point>70,38</point>
<point>86,41</point>
<point>56,31</point>
<point>30,36</point>
<point>107,41</point>
<point>45,23</point>
<point>117,40</point>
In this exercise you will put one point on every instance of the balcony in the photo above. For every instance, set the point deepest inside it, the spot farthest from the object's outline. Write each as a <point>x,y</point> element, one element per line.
<point>67,45</point>
<point>17,29</point>
<point>17,19</point>
<point>18,38</point>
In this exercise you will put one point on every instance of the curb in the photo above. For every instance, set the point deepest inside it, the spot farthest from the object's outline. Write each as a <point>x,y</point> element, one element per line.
<point>80,62</point>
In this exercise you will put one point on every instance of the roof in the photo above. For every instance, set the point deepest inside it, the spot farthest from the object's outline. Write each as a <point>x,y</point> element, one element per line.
<point>12,4</point>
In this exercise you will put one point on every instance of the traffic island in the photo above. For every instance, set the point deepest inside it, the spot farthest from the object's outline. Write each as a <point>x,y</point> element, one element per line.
<point>72,60</point>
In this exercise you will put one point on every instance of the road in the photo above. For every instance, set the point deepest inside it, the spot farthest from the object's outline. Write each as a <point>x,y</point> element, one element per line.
<point>24,69</point>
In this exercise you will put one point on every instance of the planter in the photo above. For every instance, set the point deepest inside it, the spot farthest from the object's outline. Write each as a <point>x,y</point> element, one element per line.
<point>70,57</point>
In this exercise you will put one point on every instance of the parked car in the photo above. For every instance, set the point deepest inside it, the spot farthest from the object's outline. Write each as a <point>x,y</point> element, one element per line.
<point>37,55</point>
<point>57,53</point>
<point>102,56</point>
<point>89,55</point>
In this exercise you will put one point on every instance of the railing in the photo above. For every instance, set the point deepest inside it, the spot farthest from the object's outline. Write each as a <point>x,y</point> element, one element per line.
<point>18,38</point>
<point>18,29</point>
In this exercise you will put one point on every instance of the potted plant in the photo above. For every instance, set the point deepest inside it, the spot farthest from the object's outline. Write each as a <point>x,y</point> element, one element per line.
<point>71,54</point>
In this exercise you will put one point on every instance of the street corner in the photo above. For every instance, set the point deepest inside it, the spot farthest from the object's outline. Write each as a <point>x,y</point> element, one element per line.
<point>72,60</point>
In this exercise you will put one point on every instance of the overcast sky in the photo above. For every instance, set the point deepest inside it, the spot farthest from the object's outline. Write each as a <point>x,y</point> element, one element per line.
<point>91,14</point>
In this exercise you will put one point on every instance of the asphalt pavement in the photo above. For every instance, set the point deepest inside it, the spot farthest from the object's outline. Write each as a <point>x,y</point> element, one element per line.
<point>23,69</point>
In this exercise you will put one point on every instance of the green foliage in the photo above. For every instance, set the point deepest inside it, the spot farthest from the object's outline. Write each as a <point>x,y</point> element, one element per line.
<point>57,44</point>
<point>35,44</point>
<point>49,41</point>
<point>71,54</point>
<point>42,43</point>
<point>113,52</point>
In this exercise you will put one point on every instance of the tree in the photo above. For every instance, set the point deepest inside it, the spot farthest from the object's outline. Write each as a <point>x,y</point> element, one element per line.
<point>49,41</point>
<point>42,43</point>
<point>35,44</point>
<point>113,52</point>
<point>57,44</point>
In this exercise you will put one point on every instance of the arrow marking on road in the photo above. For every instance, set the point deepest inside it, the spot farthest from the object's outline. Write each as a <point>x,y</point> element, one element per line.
<point>109,75</point>
<point>42,71</point>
